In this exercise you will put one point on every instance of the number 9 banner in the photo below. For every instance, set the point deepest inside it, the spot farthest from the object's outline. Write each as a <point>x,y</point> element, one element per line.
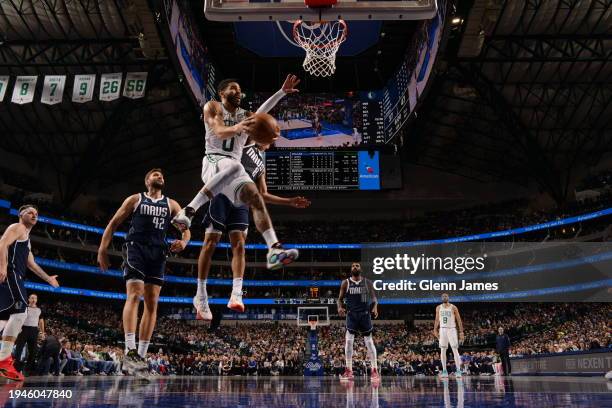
<point>83,87</point>
<point>110,85</point>
<point>135,83</point>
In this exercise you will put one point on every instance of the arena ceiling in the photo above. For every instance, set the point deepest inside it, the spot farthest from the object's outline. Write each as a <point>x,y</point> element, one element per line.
<point>522,91</point>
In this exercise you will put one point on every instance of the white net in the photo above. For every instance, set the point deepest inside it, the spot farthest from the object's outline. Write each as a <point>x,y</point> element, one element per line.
<point>321,42</point>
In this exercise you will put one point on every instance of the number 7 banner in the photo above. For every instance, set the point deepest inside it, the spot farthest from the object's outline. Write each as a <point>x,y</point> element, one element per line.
<point>135,83</point>
<point>110,86</point>
<point>53,89</point>
<point>83,87</point>
<point>23,92</point>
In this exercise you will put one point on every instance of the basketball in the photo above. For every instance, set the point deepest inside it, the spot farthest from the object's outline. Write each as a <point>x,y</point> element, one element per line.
<point>265,130</point>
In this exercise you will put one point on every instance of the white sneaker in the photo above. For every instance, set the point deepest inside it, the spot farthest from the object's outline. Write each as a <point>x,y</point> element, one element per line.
<point>181,221</point>
<point>235,303</point>
<point>202,309</point>
<point>279,257</point>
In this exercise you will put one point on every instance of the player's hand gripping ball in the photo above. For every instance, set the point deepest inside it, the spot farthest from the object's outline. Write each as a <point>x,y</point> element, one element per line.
<point>262,128</point>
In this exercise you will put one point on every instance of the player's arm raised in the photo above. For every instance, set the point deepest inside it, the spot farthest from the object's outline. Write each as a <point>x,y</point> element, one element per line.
<point>121,215</point>
<point>374,304</point>
<point>34,267</point>
<point>459,323</point>
<point>179,244</point>
<point>213,117</point>
<point>297,202</point>
<point>10,235</point>
<point>288,87</point>
<point>436,323</point>
<point>341,309</point>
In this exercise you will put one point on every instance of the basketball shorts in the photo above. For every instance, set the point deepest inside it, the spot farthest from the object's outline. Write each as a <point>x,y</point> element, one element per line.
<point>13,296</point>
<point>144,262</point>
<point>448,335</point>
<point>359,323</point>
<point>221,215</point>
<point>215,163</point>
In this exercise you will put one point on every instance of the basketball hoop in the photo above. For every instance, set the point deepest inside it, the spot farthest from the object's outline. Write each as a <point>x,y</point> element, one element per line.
<point>321,41</point>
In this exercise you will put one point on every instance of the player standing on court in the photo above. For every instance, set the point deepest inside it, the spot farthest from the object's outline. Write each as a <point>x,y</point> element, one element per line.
<point>221,215</point>
<point>360,303</point>
<point>15,258</point>
<point>227,129</point>
<point>447,320</point>
<point>144,261</point>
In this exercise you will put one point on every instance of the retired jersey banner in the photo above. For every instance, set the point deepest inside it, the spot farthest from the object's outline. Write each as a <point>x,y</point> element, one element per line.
<point>83,87</point>
<point>23,92</point>
<point>110,86</point>
<point>53,89</point>
<point>4,81</point>
<point>135,83</point>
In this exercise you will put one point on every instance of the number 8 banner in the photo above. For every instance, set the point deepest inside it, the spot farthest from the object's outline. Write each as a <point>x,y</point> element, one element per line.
<point>110,85</point>
<point>135,83</point>
<point>23,92</point>
<point>83,87</point>
<point>53,89</point>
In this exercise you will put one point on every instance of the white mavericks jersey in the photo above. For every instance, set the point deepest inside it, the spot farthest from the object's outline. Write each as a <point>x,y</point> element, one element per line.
<point>447,317</point>
<point>233,146</point>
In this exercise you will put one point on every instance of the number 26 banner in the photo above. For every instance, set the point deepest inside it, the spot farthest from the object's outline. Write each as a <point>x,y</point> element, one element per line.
<point>110,86</point>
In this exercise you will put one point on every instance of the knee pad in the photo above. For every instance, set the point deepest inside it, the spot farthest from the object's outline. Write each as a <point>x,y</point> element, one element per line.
<point>14,325</point>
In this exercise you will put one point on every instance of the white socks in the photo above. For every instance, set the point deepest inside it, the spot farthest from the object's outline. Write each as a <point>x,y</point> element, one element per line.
<point>270,236</point>
<point>143,347</point>
<point>7,349</point>
<point>202,288</point>
<point>369,342</point>
<point>130,341</point>
<point>457,359</point>
<point>237,287</point>
<point>199,200</point>
<point>443,358</point>
<point>348,350</point>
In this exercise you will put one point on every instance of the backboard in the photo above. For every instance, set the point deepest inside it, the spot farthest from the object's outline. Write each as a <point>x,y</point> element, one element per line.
<point>291,10</point>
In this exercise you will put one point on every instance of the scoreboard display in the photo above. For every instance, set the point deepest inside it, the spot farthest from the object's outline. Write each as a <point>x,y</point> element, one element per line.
<point>322,170</point>
<point>372,122</point>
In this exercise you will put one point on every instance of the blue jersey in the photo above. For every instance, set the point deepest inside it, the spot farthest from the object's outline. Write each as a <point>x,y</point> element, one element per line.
<point>150,221</point>
<point>18,253</point>
<point>357,296</point>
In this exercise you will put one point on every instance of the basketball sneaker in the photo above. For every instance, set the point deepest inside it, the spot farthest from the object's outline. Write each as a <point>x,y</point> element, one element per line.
<point>374,376</point>
<point>202,309</point>
<point>7,370</point>
<point>279,256</point>
<point>235,303</point>
<point>134,364</point>
<point>444,374</point>
<point>182,220</point>
<point>458,374</point>
<point>347,375</point>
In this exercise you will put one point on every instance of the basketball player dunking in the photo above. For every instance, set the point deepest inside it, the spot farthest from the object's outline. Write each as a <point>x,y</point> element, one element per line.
<point>447,320</point>
<point>144,261</point>
<point>227,130</point>
<point>360,302</point>
<point>221,215</point>
<point>15,258</point>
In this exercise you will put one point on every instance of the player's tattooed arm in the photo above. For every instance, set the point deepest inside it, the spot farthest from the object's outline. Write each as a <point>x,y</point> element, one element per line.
<point>341,309</point>
<point>34,267</point>
<point>296,202</point>
<point>127,208</point>
<point>436,323</point>
<point>179,244</point>
<point>213,117</point>
<point>374,304</point>
<point>11,234</point>
<point>459,323</point>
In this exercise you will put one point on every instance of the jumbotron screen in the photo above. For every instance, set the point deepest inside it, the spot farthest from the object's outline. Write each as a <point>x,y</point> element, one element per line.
<point>322,170</point>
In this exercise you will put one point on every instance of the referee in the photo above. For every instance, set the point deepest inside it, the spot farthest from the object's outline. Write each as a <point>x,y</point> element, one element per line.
<point>32,325</point>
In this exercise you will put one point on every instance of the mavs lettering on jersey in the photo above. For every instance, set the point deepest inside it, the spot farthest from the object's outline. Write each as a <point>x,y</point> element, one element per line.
<point>150,221</point>
<point>253,162</point>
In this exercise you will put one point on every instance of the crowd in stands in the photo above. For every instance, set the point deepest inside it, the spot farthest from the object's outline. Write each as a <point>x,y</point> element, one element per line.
<point>91,339</point>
